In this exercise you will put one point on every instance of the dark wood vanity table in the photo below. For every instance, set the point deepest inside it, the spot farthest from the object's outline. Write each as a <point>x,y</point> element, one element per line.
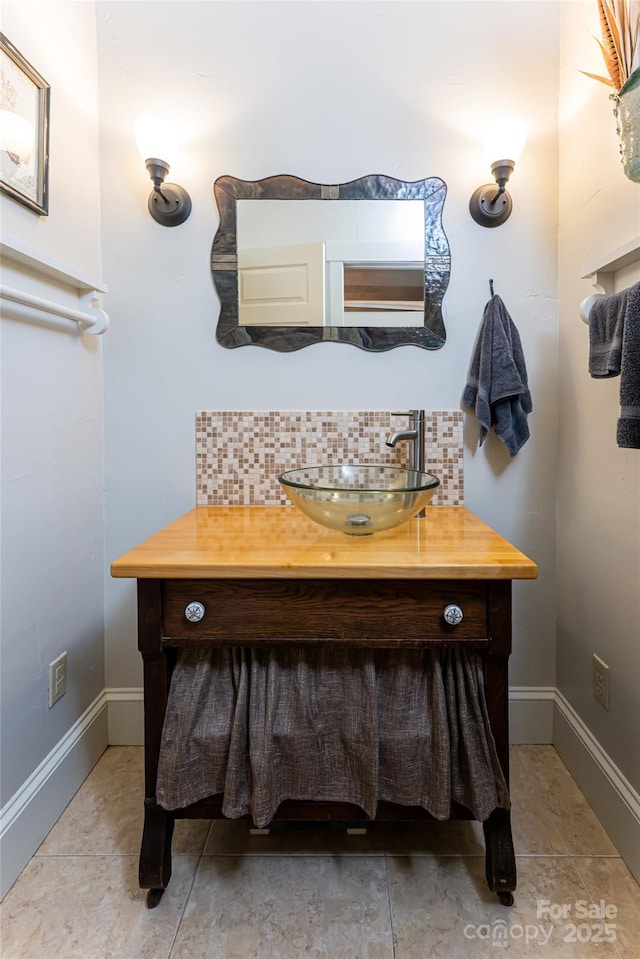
<point>268,576</point>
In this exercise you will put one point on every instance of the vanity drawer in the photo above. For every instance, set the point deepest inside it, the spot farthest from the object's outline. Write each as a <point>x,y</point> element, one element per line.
<point>358,612</point>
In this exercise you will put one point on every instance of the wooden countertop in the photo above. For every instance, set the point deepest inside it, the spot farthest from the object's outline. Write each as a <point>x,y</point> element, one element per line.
<point>232,542</point>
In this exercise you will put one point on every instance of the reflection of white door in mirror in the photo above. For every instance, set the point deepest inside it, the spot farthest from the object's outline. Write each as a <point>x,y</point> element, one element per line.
<point>375,284</point>
<point>282,285</point>
<point>371,234</point>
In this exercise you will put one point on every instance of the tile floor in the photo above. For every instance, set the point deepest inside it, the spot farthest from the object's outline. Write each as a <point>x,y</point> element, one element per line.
<point>399,893</point>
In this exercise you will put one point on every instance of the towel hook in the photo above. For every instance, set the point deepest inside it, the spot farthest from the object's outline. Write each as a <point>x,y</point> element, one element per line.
<point>491,287</point>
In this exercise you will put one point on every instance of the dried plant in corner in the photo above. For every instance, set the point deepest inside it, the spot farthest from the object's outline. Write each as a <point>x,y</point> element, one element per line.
<point>620,44</point>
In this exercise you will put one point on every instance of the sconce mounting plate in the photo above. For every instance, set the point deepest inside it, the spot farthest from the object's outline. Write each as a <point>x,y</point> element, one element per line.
<point>173,209</point>
<point>487,209</point>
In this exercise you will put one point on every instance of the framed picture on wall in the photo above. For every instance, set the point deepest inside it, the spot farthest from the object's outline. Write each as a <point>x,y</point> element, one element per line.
<point>24,130</point>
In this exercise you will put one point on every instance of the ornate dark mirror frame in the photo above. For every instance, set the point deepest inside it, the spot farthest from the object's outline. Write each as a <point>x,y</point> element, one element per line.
<point>224,262</point>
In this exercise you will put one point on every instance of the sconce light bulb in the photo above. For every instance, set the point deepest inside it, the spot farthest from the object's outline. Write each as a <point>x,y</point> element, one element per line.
<point>157,138</point>
<point>504,139</point>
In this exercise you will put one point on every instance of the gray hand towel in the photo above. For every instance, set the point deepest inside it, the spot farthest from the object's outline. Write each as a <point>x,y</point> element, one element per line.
<point>497,387</point>
<point>606,322</point>
<point>628,431</point>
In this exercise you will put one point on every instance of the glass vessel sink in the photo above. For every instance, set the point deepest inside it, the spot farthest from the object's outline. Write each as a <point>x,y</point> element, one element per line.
<point>359,500</point>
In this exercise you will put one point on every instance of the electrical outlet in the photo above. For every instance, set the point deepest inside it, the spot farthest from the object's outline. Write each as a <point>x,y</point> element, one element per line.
<point>57,679</point>
<point>601,681</point>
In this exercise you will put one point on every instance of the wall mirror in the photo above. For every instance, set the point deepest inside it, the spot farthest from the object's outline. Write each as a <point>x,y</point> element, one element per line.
<point>365,262</point>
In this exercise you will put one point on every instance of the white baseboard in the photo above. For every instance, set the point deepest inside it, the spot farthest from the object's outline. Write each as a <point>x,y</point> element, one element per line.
<point>612,797</point>
<point>126,716</point>
<point>531,714</point>
<point>29,815</point>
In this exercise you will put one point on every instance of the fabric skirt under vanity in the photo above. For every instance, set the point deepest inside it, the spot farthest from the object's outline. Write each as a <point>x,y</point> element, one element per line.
<point>332,725</point>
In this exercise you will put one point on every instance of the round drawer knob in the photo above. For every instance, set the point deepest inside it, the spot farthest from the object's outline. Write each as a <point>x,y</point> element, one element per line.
<point>194,612</point>
<point>453,615</point>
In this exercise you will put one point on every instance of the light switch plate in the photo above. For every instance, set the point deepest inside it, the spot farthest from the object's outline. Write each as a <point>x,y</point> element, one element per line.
<point>601,681</point>
<point>57,679</point>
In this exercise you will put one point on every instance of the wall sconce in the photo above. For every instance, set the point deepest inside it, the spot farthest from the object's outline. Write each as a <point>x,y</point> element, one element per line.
<point>157,141</point>
<point>504,141</point>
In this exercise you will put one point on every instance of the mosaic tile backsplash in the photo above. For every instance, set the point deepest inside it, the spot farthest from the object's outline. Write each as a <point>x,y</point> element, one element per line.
<point>239,454</point>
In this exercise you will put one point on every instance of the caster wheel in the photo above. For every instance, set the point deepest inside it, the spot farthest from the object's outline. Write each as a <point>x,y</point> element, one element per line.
<point>153,897</point>
<point>506,898</point>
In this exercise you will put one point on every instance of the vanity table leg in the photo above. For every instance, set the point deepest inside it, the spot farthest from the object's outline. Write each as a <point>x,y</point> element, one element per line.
<point>154,869</point>
<point>500,860</point>
<point>155,852</point>
<point>500,855</point>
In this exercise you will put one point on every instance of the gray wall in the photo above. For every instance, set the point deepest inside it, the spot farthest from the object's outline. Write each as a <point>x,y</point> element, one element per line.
<point>598,484</point>
<point>52,417</point>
